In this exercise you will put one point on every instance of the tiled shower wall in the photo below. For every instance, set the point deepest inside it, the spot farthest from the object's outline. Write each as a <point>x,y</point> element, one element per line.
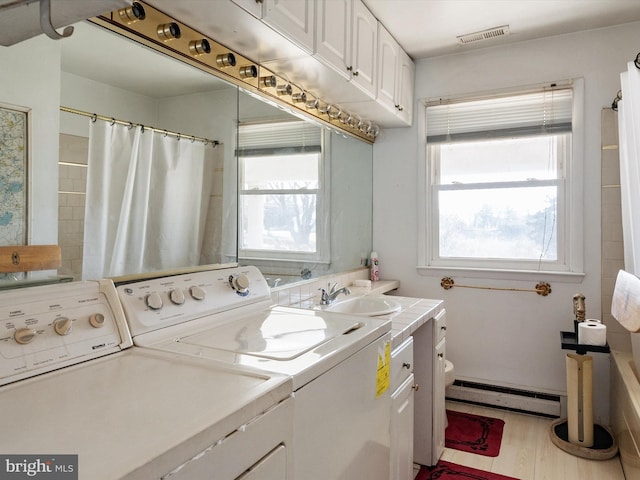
<point>611,223</point>
<point>72,187</point>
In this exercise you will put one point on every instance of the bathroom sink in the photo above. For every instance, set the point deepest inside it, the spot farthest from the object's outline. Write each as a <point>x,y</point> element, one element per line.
<point>367,306</point>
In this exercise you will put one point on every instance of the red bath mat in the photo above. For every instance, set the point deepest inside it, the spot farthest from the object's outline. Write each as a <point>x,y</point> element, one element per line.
<point>451,471</point>
<point>473,433</point>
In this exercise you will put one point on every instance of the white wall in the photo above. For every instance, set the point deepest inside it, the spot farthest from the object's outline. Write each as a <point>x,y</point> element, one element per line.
<point>96,97</point>
<point>505,338</point>
<point>30,77</point>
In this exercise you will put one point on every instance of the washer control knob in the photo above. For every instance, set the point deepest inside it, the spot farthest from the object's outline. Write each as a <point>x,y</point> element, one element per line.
<point>96,320</point>
<point>62,325</point>
<point>153,301</point>
<point>176,296</point>
<point>24,335</point>
<point>197,293</point>
<point>240,283</point>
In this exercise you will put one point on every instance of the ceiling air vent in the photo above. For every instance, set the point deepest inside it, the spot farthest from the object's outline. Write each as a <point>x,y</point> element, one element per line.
<point>483,35</point>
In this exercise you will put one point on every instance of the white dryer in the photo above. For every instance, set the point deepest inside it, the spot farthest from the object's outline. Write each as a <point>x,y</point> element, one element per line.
<point>74,389</point>
<point>339,365</point>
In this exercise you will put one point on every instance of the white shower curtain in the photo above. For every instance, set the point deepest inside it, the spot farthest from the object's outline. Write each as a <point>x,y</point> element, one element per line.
<point>147,200</point>
<point>629,145</point>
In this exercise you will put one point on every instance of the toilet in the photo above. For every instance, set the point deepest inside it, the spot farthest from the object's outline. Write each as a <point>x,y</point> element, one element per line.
<point>449,378</point>
<point>449,374</point>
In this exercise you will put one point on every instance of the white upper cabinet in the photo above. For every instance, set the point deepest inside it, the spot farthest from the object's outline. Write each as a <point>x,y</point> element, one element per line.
<point>254,7</point>
<point>363,66</point>
<point>406,84</point>
<point>396,76</point>
<point>333,34</point>
<point>328,42</point>
<point>346,40</point>
<point>388,55</point>
<point>292,18</point>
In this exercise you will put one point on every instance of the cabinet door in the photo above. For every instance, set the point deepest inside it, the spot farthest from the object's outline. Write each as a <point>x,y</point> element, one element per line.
<point>401,429</point>
<point>439,412</point>
<point>333,34</point>
<point>405,83</point>
<point>293,19</point>
<point>364,49</point>
<point>254,7</point>
<point>388,59</point>
<point>423,369</point>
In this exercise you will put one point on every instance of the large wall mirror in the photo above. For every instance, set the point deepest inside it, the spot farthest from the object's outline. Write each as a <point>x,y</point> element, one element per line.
<point>303,191</point>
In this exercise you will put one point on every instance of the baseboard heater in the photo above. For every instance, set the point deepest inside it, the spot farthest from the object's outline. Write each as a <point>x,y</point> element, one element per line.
<point>513,399</point>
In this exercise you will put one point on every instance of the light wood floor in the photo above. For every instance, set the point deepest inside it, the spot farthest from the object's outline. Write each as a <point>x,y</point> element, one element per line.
<point>527,453</point>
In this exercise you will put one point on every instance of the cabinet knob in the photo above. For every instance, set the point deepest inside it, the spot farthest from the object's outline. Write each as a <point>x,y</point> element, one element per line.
<point>355,74</point>
<point>441,355</point>
<point>444,327</point>
<point>406,365</point>
<point>416,387</point>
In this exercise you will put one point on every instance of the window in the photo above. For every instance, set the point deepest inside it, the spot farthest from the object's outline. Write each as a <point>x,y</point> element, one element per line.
<point>499,186</point>
<point>282,192</point>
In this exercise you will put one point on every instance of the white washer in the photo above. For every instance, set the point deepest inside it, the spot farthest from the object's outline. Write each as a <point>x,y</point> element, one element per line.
<point>73,384</point>
<point>339,364</point>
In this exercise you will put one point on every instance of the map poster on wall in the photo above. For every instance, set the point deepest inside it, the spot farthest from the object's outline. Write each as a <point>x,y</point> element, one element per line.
<point>13,175</point>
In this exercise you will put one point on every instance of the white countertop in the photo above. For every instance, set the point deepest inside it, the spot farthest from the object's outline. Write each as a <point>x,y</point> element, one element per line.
<point>376,288</point>
<point>414,313</point>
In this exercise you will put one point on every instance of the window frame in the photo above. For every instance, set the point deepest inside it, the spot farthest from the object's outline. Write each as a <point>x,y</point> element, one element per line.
<point>323,228</point>
<point>570,242</point>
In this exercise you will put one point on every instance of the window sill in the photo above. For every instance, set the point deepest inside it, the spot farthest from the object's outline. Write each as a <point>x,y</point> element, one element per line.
<point>499,274</point>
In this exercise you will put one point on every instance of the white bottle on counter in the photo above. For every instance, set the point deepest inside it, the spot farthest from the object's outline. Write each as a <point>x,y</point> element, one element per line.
<point>375,268</point>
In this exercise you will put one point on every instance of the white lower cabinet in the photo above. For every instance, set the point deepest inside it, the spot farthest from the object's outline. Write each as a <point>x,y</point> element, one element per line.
<point>402,431</point>
<point>429,412</point>
<point>401,423</point>
<point>439,411</point>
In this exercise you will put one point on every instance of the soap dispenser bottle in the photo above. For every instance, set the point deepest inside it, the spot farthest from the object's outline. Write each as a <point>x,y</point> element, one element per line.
<point>375,268</point>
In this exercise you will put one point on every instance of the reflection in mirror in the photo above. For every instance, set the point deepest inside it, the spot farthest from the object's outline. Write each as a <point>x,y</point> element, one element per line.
<point>305,195</point>
<point>99,72</point>
<point>150,200</point>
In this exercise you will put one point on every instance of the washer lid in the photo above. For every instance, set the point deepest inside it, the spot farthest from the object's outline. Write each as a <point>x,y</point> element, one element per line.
<point>273,334</point>
<point>140,410</point>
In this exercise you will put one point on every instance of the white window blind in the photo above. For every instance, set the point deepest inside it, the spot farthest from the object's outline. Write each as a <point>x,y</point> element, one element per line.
<point>265,138</point>
<point>542,112</point>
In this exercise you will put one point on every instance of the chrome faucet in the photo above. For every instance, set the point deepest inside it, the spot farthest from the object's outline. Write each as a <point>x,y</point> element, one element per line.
<point>329,295</point>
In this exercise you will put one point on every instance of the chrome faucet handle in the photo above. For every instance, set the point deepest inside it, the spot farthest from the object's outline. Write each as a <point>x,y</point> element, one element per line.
<point>324,296</point>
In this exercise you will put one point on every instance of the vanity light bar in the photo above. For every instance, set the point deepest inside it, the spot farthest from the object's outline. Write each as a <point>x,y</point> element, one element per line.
<point>151,27</point>
<point>155,29</point>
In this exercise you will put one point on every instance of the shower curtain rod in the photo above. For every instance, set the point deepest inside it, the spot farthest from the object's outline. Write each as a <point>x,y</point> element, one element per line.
<point>618,97</point>
<point>113,121</point>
